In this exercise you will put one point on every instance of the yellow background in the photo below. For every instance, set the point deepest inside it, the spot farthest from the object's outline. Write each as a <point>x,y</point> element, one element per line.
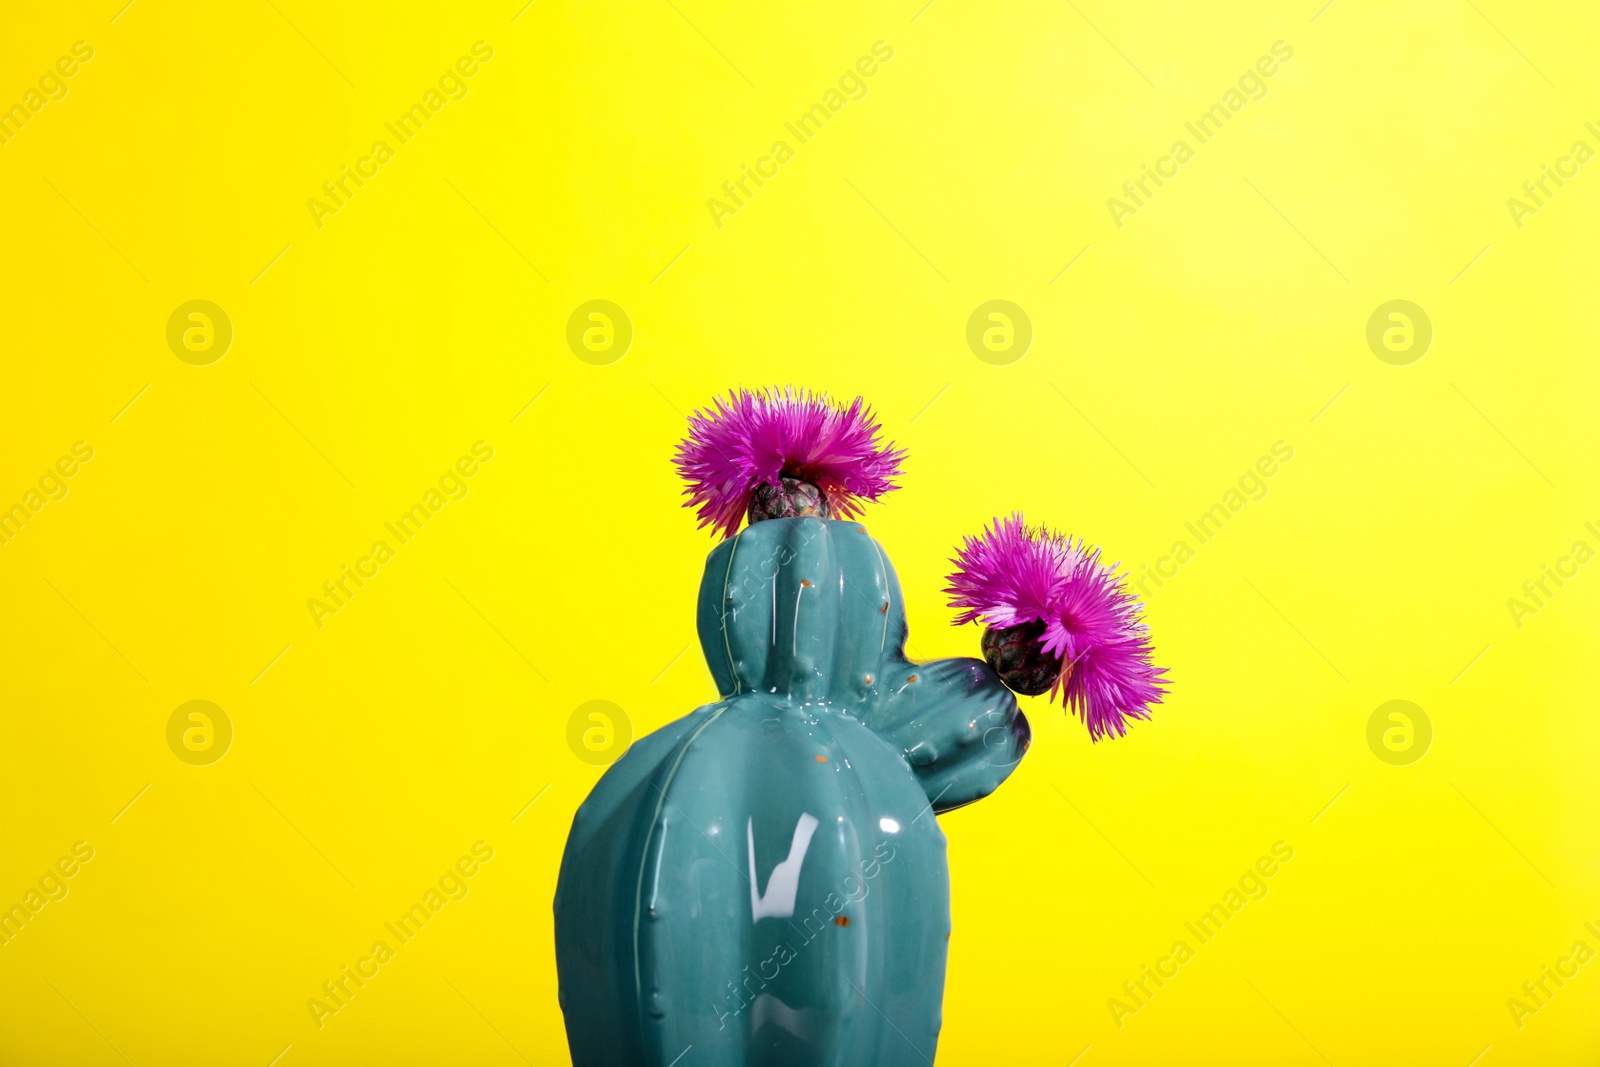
<point>426,314</point>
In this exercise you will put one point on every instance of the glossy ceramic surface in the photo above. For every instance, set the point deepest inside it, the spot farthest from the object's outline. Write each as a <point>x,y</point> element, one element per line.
<point>763,881</point>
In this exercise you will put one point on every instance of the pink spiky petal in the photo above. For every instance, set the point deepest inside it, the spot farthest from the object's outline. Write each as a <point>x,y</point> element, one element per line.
<point>1011,574</point>
<point>760,436</point>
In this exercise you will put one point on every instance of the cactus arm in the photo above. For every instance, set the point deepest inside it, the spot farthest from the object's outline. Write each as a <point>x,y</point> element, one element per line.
<point>955,723</point>
<point>953,720</point>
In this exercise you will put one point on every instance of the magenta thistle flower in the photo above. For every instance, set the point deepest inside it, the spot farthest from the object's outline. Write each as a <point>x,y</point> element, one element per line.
<point>764,437</point>
<point>1059,616</point>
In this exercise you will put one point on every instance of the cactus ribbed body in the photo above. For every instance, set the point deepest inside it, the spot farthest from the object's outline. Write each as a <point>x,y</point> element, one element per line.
<point>763,879</point>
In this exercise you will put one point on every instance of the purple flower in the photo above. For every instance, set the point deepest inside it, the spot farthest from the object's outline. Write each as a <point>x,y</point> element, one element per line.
<point>760,436</point>
<point>1011,575</point>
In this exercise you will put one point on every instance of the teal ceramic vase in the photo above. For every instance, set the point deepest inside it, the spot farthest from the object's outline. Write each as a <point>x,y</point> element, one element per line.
<point>762,883</point>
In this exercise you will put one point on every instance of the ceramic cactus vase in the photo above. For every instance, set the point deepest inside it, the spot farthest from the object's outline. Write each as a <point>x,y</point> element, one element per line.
<point>763,881</point>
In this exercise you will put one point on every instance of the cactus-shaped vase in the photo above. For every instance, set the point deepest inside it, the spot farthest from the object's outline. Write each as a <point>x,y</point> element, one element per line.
<point>763,881</point>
